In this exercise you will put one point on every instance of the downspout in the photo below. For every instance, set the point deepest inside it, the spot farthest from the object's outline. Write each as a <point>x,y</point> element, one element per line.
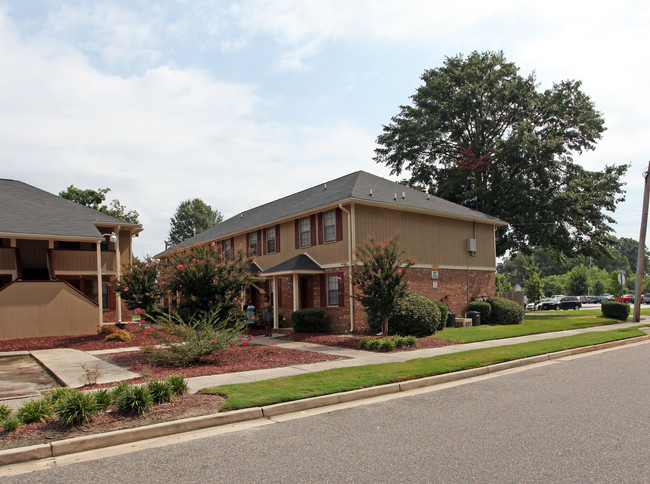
<point>118,261</point>
<point>350,288</point>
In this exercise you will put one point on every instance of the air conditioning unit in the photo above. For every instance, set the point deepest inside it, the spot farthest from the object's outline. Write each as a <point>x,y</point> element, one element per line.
<point>471,246</point>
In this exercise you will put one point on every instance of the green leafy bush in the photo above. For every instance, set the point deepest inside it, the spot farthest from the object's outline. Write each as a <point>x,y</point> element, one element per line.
<point>39,410</point>
<point>504,311</point>
<point>10,423</point>
<point>616,310</point>
<point>386,344</point>
<point>483,308</point>
<point>399,341</point>
<point>444,311</point>
<point>411,341</point>
<point>161,391</point>
<point>414,315</point>
<point>134,400</point>
<point>76,408</point>
<point>309,320</point>
<point>178,384</point>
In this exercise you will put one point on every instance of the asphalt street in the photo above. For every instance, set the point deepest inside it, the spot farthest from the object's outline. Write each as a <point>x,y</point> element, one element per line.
<point>581,419</point>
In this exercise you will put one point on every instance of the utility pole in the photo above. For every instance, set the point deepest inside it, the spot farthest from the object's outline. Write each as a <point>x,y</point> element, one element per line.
<point>641,257</point>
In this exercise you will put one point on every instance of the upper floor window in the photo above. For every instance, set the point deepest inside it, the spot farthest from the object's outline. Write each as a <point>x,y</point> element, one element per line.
<point>332,290</point>
<point>227,249</point>
<point>270,240</point>
<point>305,232</point>
<point>329,223</point>
<point>252,243</point>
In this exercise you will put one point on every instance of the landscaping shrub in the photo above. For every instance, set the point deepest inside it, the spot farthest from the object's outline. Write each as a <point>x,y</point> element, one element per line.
<point>5,411</point>
<point>134,400</point>
<point>386,344</point>
<point>414,315</point>
<point>201,336</point>
<point>504,311</point>
<point>411,341</point>
<point>444,311</point>
<point>39,410</point>
<point>161,391</point>
<point>106,330</point>
<point>76,408</point>
<point>58,394</point>
<point>482,307</point>
<point>119,335</point>
<point>178,384</point>
<point>102,398</point>
<point>616,310</point>
<point>117,390</point>
<point>309,320</point>
<point>10,423</point>
<point>399,341</point>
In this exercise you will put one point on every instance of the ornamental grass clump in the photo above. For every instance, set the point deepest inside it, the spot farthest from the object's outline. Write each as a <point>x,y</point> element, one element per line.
<point>178,384</point>
<point>102,398</point>
<point>203,335</point>
<point>5,411</point>
<point>10,423</point>
<point>161,391</point>
<point>39,410</point>
<point>76,408</point>
<point>134,399</point>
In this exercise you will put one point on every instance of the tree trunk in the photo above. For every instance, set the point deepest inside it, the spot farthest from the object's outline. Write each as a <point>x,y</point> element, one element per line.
<point>384,328</point>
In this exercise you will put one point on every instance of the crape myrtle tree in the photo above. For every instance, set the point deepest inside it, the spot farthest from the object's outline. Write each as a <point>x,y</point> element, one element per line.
<point>192,217</point>
<point>207,281</point>
<point>380,279</point>
<point>480,134</point>
<point>95,199</point>
<point>138,284</point>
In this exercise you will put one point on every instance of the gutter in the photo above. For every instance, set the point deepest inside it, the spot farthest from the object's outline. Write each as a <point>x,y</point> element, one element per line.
<point>350,288</point>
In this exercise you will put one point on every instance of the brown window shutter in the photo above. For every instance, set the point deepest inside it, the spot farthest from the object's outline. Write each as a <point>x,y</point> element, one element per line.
<point>279,286</point>
<point>341,290</point>
<point>260,251</point>
<point>312,226</point>
<point>263,251</point>
<point>323,291</point>
<point>277,238</point>
<point>112,300</point>
<point>339,225</point>
<point>320,228</point>
<point>297,225</point>
<point>248,244</point>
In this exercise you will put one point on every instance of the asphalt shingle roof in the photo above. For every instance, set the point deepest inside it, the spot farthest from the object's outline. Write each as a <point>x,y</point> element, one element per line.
<point>28,210</point>
<point>360,186</point>
<point>301,262</point>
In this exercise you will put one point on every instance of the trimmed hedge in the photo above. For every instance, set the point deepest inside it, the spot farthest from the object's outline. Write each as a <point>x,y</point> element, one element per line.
<point>504,311</point>
<point>414,315</point>
<point>308,320</point>
<point>444,311</point>
<point>482,307</point>
<point>616,310</point>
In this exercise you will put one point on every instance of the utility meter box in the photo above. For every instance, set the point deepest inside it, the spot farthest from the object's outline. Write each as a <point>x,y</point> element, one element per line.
<point>471,246</point>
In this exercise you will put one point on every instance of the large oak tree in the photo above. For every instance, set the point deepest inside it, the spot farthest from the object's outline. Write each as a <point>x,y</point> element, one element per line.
<point>192,217</point>
<point>481,135</point>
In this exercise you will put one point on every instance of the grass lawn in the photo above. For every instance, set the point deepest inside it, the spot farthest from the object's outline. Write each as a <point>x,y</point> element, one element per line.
<point>534,323</point>
<point>285,389</point>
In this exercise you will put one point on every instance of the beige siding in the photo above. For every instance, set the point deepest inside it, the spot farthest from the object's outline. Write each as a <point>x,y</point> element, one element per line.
<point>428,239</point>
<point>82,261</point>
<point>43,308</point>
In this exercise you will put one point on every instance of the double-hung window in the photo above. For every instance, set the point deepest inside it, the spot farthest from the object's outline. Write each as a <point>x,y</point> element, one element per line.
<point>329,223</point>
<point>333,290</point>
<point>270,240</point>
<point>252,243</point>
<point>305,232</point>
<point>227,249</point>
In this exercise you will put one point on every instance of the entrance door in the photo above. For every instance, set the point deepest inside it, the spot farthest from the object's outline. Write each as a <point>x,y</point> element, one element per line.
<point>306,292</point>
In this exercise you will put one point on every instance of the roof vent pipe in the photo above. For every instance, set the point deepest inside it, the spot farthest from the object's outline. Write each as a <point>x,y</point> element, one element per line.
<point>428,196</point>
<point>241,215</point>
<point>403,195</point>
<point>370,192</point>
<point>325,187</point>
<point>395,197</point>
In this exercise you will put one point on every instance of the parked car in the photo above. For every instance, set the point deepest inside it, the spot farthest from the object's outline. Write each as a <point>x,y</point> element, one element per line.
<point>645,298</point>
<point>570,302</point>
<point>626,298</point>
<point>553,303</point>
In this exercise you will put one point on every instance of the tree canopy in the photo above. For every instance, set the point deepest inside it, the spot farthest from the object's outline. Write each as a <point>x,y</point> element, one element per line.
<point>192,217</point>
<point>95,199</point>
<point>481,135</point>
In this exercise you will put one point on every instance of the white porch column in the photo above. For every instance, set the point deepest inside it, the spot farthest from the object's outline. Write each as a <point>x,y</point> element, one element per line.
<point>274,289</point>
<point>119,267</point>
<point>296,293</point>
<point>100,296</point>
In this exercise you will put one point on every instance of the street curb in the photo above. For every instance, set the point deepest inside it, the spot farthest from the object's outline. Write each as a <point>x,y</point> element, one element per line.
<point>125,436</point>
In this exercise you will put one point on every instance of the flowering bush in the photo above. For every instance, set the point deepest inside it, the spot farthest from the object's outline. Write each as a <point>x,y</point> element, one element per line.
<point>380,279</point>
<point>207,280</point>
<point>202,335</point>
<point>138,284</point>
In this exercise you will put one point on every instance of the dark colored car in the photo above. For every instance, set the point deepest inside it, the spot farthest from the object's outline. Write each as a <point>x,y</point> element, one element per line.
<point>550,304</point>
<point>645,298</point>
<point>570,302</point>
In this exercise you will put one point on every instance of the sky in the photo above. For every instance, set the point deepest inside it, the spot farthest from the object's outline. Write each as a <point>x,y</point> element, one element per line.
<point>239,103</point>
